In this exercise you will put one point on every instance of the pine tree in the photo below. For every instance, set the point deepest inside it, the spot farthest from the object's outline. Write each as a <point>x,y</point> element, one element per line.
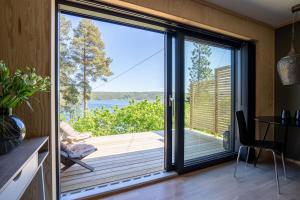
<point>89,55</point>
<point>200,69</point>
<point>68,91</point>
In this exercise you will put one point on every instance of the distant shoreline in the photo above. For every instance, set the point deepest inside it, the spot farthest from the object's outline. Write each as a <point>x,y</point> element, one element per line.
<point>126,95</point>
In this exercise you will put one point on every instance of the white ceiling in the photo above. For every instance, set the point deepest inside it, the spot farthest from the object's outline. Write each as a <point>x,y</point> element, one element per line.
<point>276,13</point>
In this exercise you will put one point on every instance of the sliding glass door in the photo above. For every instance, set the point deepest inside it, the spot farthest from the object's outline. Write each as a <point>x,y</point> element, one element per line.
<point>205,80</point>
<point>207,99</point>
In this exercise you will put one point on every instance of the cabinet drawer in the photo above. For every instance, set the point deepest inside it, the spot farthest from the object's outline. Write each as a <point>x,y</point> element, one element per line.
<point>18,184</point>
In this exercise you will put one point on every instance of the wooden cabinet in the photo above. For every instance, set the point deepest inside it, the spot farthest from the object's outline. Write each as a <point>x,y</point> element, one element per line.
<point>18,168</point>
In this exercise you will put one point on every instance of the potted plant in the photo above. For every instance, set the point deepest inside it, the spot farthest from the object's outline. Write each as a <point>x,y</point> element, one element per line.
<point>16,89</point>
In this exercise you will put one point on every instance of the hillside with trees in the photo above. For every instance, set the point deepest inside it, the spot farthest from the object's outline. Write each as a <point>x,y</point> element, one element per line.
<point>126,95</point>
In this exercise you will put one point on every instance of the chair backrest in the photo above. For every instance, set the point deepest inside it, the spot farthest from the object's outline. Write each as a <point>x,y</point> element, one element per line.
<point>67,129</point>
<point>245,137</point>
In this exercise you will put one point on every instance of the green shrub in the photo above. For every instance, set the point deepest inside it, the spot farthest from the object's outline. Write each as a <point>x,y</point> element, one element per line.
<point>187,115</point>
<point>136,117</point>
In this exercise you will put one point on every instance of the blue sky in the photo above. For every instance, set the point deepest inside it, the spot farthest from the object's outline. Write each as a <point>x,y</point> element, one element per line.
<point>127,46</point>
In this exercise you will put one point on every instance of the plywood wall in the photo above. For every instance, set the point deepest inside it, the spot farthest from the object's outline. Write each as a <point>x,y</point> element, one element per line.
<point>203,15</point>
<point>25,40</point>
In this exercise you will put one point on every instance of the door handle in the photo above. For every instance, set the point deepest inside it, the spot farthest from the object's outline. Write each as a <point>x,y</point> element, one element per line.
<point>171,100</point>
<point>171,104</point>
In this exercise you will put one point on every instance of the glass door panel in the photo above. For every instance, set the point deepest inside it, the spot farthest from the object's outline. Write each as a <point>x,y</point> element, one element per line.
<point>207,99</point>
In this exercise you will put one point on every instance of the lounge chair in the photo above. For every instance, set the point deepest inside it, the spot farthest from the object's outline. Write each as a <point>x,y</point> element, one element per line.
<point>73,154</point>
<point>70,135</point>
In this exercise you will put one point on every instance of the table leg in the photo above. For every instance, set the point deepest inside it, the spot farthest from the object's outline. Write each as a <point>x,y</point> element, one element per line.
<point>41,183</point>
<point>285,139</point>
<point>283,154</point>
<point>259,151</point>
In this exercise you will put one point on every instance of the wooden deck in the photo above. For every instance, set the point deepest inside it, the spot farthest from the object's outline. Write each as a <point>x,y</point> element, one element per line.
<point>121,157</point>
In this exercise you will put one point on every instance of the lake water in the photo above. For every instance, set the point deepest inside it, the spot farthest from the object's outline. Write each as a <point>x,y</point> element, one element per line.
<point>109,103</point>
<point>93,104</point>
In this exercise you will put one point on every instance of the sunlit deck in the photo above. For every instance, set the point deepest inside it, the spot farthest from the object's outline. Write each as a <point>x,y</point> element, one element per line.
<point>122,157</point>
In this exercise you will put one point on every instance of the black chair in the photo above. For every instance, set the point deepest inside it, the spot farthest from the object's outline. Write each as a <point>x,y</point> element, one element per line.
<point>248,141</point>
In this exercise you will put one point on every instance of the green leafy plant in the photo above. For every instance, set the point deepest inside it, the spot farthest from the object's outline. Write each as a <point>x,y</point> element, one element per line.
<point>136,117</point>
<point>18,87</point>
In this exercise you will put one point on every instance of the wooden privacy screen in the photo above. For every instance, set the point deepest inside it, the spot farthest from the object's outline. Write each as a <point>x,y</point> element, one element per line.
<point>210,102</point>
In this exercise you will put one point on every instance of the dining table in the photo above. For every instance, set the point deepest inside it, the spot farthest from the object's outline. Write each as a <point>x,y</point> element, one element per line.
<point>276,121</point>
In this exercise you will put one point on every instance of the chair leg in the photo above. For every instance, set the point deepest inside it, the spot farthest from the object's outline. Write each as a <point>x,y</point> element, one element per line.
<point>283,164</point>
<point>79,162</point>
<point>237,161</point>
<point>247,159</point>
<point>257,157</point>
<point>65,168</point>
<point>66,162</point>
<point>276,173</point>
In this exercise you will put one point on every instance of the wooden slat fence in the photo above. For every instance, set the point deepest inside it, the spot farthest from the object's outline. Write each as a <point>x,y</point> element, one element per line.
<point>210,102</point>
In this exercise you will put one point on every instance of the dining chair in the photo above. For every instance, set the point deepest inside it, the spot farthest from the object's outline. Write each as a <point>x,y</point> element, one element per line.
<point>247,141</point>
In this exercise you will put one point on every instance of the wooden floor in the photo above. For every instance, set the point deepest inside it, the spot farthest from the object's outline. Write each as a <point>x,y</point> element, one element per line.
<point>121,157</point>
<point>218,183</point>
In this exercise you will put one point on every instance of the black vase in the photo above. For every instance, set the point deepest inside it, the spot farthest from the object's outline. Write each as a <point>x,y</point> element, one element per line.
<point>285,114</point>
<point>297,115</point>
<point>12,131</point>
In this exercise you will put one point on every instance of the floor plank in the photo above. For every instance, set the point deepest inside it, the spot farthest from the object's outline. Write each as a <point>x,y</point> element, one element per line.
<point>218,183</point>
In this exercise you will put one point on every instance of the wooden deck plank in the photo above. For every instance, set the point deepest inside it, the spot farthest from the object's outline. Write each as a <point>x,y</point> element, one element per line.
<point>115,164</point>
<point>97,162</point>
<point>129,154</point>
<point>119,177</point>
<point>112,177</point>
<point>110,171</point>
<point>121,157</point>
